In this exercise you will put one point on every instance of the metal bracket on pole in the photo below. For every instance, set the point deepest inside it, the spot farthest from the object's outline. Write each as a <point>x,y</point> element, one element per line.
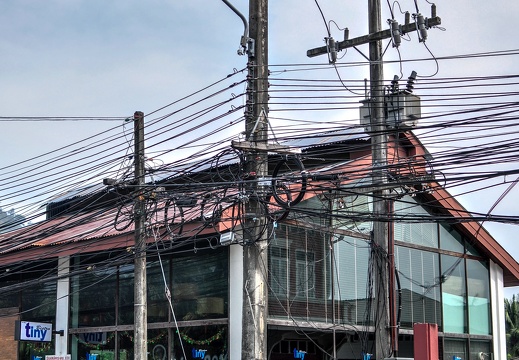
<point>262,113</point>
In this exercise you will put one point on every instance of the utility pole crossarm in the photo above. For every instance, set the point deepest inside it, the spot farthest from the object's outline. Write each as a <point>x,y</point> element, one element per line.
<point>365,39</point>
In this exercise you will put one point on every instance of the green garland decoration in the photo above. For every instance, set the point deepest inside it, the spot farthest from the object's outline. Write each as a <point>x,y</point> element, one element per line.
<point>208,341</point>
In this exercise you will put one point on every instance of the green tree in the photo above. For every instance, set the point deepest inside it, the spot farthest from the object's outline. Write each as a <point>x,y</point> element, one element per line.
<point>512,327</point>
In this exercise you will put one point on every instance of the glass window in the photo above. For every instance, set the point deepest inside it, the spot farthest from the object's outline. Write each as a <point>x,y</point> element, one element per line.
<point>93,292</point>
<point>201,342</point>
<point>158,344</point>
<point>480,350</point>
<point>10,294</point>
<point>29,350</point>
<point>454,347</point>
<point>200,285</point>
<point>39,302</point>
<point>453,294</point>
<point>303,286</point>
<point>411,223</point>
<point>125,345</point>
<point>471,250</point>
<point>350,271</point>
<point>354,213</point>
<point>450,239</point>
<point>93,309</point>
<point>305,274</point>
<point>278,271</point>
<point>418,272</point>
<point>126,309</point>
<point>313,210</point>
<point>431,291</point>
<point>478,297</point>
<point>87,345</point>
<point>158,306</point>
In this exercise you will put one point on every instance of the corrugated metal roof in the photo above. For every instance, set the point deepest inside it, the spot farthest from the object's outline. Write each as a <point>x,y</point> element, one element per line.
<point>87,226</point>
<point>64,229</point>
<point>326,138</point>
<point>79,192</point>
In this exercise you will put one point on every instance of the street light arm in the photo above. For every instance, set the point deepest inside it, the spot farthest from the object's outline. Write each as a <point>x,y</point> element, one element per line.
<point>245,36</point>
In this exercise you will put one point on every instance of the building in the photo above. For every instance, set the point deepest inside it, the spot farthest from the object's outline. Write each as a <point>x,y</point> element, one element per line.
<point>75,269</point>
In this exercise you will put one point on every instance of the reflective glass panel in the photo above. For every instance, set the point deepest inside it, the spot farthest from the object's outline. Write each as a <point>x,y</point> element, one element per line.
<point>453,294</point>
<point>478,297</point>
<point>200,284</point>
<point>412,223</point>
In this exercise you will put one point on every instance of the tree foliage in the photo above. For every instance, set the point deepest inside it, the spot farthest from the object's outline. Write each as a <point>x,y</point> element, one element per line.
<point>512,326</point>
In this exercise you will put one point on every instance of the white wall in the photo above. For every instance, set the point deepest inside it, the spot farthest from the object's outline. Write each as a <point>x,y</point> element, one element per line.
<point>62,305</point>
<point>497,299</point>
<point>235,300</point>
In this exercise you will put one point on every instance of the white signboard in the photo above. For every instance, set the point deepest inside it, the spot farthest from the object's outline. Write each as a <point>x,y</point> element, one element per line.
<point>57,357</point>
<point>33,331</point>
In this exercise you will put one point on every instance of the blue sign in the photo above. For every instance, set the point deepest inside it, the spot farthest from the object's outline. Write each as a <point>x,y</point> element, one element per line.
<point>198,354</point>
<point>299,354</point>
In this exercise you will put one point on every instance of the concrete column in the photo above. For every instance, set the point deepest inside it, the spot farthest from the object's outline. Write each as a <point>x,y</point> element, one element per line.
<point>497,301</point>
<point>62,305</point>
<point>235,300</point>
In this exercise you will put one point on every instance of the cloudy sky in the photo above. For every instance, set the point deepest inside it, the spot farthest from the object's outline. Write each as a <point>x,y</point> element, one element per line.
<point>97,58</point>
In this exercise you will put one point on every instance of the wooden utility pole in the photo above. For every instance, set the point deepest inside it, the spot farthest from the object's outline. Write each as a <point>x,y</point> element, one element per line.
<point>255,254</point>
<point>140,347</point>
<point>379,140</point>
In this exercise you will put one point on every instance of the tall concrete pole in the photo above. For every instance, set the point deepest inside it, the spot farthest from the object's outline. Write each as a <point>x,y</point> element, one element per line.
<point>255,295</point>
<point>140,304</point>
<point>379,161</point>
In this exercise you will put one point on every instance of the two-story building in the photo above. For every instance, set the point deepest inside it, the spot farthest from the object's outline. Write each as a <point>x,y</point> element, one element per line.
<point>75,269</point>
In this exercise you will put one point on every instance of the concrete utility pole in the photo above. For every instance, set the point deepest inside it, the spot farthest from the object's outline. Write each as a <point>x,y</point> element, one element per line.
<point>378,134</point>
<point>255,254</point>
<point>379,138</point>
<point>379,164</point>
<point>140,347</point>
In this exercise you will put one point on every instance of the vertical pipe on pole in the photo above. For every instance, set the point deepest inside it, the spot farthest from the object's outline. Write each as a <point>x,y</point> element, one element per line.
<point>332,270</point>
<point>255,253</point>
<point>140,312</point>
<point>379,161</point>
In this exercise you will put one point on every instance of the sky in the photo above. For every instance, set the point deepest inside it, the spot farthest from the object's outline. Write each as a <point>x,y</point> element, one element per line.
<point>97,58</point>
